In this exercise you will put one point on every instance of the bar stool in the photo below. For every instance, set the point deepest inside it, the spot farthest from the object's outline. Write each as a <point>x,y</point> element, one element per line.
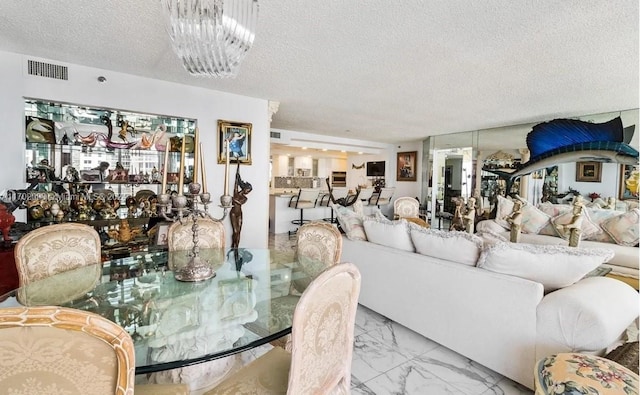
<point>335,194</point>
<point>365,195</point>
<point>382,198</point>
<point>306,198</point>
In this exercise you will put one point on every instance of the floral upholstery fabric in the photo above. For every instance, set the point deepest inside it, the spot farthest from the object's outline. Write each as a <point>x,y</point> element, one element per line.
<point>571,373</point>
<point>406,207</point>
<point>55,350</point>
<point>587,226</point>
<point>322,343</point>
<point>53,361</point>
<point>56,248</point>
<point>319,246</point>
<point>210,234</point>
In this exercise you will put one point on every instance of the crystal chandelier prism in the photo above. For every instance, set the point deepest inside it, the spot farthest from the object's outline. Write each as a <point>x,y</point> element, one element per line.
<point>211,37</point>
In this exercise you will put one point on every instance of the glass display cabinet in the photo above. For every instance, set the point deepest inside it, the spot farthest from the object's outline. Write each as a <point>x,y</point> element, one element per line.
<point>100,166</point>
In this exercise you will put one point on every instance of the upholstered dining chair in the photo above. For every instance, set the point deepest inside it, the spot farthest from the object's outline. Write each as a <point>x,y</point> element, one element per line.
<point>58,350</point>
<point>318,247</point>
<point>211,234</point>
<point>406,207</point>
<point>57,248</point>
<point>409,209</point>
<point>322,343</point>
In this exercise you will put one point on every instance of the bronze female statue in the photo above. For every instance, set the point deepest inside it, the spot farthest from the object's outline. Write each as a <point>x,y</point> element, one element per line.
<point>240,191</point>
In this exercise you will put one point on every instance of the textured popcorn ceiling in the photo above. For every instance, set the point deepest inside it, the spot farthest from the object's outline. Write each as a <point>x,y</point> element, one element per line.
<point>385,70</point>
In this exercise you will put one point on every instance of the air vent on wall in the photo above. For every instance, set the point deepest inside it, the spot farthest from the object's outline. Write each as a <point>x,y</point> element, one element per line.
<point>48,70</point>
<point>276,135</point>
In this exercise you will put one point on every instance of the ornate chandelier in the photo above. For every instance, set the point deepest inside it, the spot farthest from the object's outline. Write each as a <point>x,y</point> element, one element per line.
<point>211,37</point>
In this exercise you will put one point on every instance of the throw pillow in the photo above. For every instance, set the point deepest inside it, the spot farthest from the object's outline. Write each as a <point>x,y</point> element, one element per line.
<point>505,207</point>
<point>533,219</point>
<point>453,246</point>
<point>587,227</point>
<point>553,266</point>
<point>623,228</point>
<point>350,222</point>
<point>598,216</point>
<point>393,234</point>
<point>552,210</point>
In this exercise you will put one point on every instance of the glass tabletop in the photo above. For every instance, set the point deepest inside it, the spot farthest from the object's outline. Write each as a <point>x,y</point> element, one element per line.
<point>174,323</point>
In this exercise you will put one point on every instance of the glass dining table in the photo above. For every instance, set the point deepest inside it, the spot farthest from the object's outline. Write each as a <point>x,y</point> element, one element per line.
<point>176,324</point>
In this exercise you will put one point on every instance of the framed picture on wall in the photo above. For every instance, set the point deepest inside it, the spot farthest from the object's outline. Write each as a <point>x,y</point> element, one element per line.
<point>407,166</point>
<point>239,137</point>
<point>588,171</point>
<point>629,182</point>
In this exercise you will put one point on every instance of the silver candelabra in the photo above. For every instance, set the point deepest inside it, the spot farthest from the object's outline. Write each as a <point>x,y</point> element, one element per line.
<point>193,205</point>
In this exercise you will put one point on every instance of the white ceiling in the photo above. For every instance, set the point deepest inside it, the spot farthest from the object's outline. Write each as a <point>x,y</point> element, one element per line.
<point>386,71</point>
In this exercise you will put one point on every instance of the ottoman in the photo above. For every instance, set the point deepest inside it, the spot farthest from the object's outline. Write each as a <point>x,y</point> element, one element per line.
<point>575,373</point>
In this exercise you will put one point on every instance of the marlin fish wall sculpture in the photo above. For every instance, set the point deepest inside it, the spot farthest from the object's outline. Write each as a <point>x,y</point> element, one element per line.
<point>570,140</point>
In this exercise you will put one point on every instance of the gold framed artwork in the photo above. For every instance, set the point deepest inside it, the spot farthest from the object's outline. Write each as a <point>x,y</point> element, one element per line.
<point>629,188</point>
<point>588,171</point>
<point>238,135</point>
<point>406,166</point>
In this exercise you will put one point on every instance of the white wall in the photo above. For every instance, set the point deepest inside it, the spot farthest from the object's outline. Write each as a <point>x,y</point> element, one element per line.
<point>606,188</point>
<point>129,92</point>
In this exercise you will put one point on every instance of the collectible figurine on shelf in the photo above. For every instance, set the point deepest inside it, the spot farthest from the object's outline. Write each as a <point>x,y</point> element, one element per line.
<point>124,233</point>
<point>155,175</point>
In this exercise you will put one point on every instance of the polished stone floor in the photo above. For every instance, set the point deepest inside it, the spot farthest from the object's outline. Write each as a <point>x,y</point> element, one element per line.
<point>391,359</point>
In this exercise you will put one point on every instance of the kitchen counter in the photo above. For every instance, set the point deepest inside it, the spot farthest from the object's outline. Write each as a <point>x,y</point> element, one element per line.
<point>281,215</point>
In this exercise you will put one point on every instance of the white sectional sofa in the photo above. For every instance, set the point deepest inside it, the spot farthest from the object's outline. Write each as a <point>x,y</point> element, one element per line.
<point>602,228</point>
<point>504,322</point>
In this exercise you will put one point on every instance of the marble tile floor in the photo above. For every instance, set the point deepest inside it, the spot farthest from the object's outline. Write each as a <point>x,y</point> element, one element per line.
<point>389,359</point>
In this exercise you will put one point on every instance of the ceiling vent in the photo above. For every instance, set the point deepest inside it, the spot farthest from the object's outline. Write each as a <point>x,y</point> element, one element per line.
<point>48,70</point>
<point>276,135</point>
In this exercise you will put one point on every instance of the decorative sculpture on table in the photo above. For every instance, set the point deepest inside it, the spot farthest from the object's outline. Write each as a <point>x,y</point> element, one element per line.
<point>240,191</point>
<point>192,206</point>
<point>515,221</point>
<point>574,227</point>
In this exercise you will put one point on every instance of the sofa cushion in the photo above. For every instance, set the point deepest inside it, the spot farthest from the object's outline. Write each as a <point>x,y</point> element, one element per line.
<point>623,228</point>
<point>350,222</point>
<point>393,234</point>
<point>587,226</point>
<point>453,246</point>
<point>552,266</point>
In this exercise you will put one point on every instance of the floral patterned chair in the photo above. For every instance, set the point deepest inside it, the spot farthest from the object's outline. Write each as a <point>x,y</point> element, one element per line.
<point>409,209</point>
<point>211,235</point>
<point>322,343</point>
<point>318,247</point>
<point>57,350</point>
<point>53,249</point>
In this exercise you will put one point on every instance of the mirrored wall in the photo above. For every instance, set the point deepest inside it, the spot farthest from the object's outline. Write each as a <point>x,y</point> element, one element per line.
<point>462,164</point>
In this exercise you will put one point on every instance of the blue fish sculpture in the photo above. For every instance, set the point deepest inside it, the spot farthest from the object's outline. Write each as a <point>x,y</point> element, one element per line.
<point>571,140</point>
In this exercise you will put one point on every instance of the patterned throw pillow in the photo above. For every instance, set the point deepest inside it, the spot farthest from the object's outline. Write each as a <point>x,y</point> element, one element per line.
<point>533,219</point>
<point>623,228</point>
<point>587,227</point>
<point>350,222</point>
<point>598,216</point>
<point>552,210</point>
